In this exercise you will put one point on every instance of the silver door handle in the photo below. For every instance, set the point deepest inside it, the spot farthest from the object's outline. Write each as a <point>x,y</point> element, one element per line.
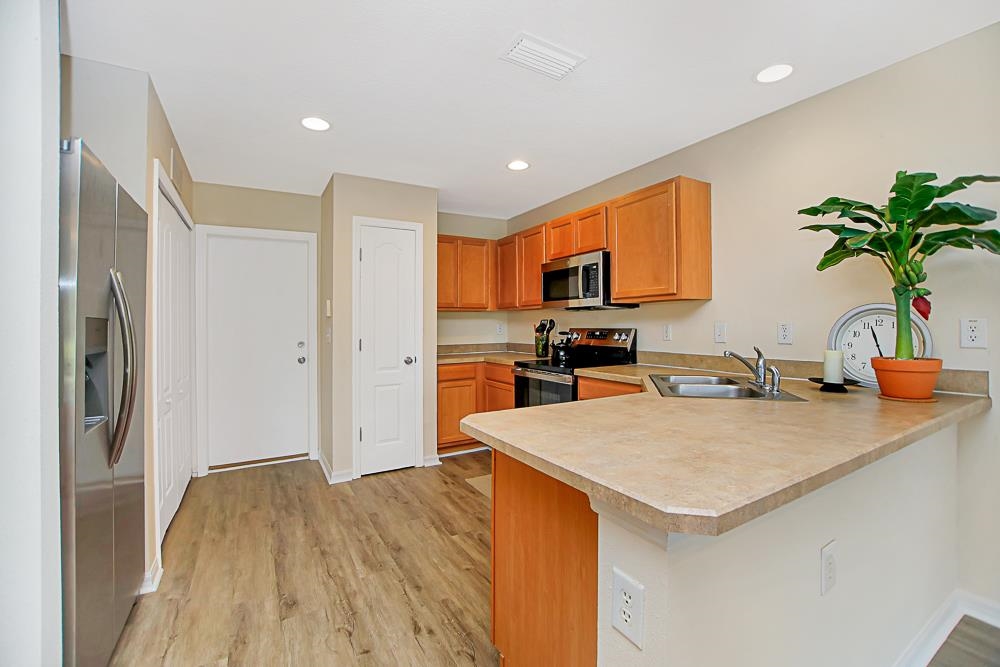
<point>302,360</point>
<point>129,376</point>
<point>409,360</point>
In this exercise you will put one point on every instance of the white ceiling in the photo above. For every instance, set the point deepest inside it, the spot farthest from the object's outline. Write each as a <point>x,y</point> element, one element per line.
<point>416,93</point>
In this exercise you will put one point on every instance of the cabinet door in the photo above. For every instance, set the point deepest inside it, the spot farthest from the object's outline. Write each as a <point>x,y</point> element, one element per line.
<point>588,388</point>
<point>499,396</point>
<point>448,251</point>
<point>591,229</point>
<point>474,274</point>
<point>531,256</point>
<point>507,272</point>
<point>456,399</point>
<point>642,230</point>
<point>560,238</point>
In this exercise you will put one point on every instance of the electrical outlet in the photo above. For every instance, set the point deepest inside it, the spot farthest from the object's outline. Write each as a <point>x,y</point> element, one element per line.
<point>828,567</point>
<point>499,328</point>
<point>668,332</point>
<point>784,333</point>
<point>974,333</point>
<point>627,606</point>
<point>721,332</point>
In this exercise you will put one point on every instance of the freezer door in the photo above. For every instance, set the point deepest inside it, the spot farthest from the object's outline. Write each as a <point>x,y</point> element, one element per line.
<point>129,490</point>
<point>86,254</point>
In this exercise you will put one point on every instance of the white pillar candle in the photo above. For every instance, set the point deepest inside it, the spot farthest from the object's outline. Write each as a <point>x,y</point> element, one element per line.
<point>833,366</point>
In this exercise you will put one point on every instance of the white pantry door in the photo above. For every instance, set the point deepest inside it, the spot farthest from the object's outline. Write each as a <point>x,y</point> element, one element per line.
<point>387,359</point>
<point>174,326</point>
<point>257,322</point>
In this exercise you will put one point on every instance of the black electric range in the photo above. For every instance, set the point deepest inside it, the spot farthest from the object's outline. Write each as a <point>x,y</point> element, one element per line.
<point>553,380</point>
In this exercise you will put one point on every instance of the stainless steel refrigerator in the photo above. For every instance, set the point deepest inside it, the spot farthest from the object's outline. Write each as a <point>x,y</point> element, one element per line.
<point>102,314</point>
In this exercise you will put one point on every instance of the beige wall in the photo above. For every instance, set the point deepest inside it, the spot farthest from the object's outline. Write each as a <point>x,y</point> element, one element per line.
<point>455,328</point>
<point>31,604</point>
<point>259,209</point>
<point>849,141</point>
<point>162,145</point>
<point>356,196</point>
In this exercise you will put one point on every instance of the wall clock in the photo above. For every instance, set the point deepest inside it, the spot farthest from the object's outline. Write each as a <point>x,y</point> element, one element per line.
<point>861,332</point>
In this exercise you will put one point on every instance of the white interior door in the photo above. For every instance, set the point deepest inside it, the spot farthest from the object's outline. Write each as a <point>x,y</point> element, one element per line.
<point>174,406</point>
<point>256,368</point>
<point>387,359</point>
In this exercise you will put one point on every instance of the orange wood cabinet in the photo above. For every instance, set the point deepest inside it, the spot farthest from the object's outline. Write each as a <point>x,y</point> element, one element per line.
<point>530,257</point>
<point>459,393</point>
<point>661,242</point>
<point>507,272</point>
<point>583,231</point>
<point>466,273</point>
<point>499,387</point>
<point>587,388</point>
<point>543,568</point>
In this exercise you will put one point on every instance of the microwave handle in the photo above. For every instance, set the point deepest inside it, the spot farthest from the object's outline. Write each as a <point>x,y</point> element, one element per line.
<point>580,282</point>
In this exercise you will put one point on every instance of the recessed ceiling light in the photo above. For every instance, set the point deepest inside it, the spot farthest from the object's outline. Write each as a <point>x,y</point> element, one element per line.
<point>317,124</point>
<point>774,73</point>
<point>518,165</point>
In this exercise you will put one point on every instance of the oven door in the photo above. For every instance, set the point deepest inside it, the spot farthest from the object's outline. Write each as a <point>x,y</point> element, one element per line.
<point>533,388</point>
<point>574,282</point>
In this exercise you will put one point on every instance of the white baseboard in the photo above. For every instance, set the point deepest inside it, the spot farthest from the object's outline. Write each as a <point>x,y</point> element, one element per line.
<point>152,579</point>
<point>464,451</point>
<point>334,477</point>
<point>935,632</point>
<point>432,460</point>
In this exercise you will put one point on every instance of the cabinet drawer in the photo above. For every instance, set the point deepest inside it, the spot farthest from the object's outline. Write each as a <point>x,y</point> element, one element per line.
<point>588,388</point>
<point>456,371</point>
<point>500,373</point>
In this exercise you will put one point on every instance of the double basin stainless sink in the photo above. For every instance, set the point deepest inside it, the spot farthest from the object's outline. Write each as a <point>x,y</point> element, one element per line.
<point>710,386</point>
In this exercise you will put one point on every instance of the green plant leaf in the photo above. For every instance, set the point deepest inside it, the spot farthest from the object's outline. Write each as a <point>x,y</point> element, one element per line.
<point>953,213</point>
<point>964,238</point>
<point>847,208</point>
<point>843,231</point>
<point>912,195</point>
<point>860,241</point>
<point>839,252</point>
<point>963,182</point>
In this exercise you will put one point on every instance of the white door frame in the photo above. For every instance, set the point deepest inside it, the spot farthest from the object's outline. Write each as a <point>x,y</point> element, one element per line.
<point>418,268</point>
<point>162,184</point>
<point>202,234</point>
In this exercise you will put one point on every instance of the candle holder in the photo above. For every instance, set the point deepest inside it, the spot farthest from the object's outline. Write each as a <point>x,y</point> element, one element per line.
<point>835,387</point>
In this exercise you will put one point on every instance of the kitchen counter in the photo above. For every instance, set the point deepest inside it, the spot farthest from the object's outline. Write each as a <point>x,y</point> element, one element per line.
<point>489,357</point>
<point>706,466</point>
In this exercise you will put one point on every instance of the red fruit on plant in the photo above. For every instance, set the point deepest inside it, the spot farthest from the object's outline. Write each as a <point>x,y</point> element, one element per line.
<point>922,306</point>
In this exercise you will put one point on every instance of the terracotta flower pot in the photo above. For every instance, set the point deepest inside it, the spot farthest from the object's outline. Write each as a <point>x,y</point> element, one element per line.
<point>907,379</point>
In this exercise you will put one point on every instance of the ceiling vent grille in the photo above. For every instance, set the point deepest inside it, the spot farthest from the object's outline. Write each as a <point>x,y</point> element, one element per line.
<point>540,56</point>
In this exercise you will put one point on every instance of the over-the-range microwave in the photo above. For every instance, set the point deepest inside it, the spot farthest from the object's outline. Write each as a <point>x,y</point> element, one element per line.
<point>581,282</point>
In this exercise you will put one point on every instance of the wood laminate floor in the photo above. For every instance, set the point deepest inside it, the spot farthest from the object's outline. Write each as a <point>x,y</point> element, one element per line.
<point>273,566</point>
<point>971,644</point>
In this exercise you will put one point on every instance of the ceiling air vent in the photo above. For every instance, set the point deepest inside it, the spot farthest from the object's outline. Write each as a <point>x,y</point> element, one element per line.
<point>540,56</point>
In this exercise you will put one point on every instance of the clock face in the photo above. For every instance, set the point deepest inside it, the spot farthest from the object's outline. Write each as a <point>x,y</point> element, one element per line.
<point>870,331</point>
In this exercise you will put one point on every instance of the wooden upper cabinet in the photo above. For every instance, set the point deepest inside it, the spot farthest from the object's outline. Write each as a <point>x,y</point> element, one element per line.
<point>591,229</point>
<point>448,250</point>
<point>661,243</point>
<point>560,238</point>
<point>583,231</point>
<point>475,277</point>
<point>531,256</point>
<point>466,273</point>
<point>507,272</point>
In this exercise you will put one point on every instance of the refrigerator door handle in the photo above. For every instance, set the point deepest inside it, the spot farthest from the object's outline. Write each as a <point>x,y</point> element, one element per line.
<point>129,377</point>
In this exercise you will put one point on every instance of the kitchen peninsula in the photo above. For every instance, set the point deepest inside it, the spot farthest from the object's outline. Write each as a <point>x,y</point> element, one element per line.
<point>719,508</point>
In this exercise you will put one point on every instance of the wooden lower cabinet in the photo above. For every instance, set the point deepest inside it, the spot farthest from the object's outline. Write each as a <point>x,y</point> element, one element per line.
<point>587,388</point>
<point>463,389</point>
<point>543,568</point>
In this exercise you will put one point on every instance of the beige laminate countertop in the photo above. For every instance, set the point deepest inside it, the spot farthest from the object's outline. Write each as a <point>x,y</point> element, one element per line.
<point>706,466</point>
<point>490,357</point>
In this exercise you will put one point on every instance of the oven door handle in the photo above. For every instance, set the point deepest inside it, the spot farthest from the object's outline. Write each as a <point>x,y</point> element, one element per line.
<point>543,376</point>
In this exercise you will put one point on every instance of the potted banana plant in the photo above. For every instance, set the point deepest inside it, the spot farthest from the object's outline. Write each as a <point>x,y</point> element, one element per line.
<point>902,234</point>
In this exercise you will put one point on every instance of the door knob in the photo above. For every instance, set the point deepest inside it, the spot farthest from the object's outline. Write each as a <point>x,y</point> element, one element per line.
<point>302,360</point>
<point>408,360</point>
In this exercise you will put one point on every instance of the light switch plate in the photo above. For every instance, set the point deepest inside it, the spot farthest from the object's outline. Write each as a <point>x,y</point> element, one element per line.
<point>828,567</point>
<point>627,606</point>
<point>721,332</point>
<point>668,332</point>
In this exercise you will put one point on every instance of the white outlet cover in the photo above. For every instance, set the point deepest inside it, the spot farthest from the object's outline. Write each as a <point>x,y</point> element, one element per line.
<point>785,333</point>
<point>499,329</point>
<point>974,333</point>
<point>627,606</point>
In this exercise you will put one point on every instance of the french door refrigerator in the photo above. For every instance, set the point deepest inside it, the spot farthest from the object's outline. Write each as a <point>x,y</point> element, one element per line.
<point>102,313</point>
